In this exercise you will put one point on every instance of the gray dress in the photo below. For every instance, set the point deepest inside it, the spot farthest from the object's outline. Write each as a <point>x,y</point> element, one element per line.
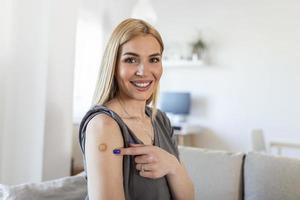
<point>135,186</point>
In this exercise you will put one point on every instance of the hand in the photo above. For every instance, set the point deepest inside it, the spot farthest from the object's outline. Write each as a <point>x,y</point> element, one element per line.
<point>152,161</point>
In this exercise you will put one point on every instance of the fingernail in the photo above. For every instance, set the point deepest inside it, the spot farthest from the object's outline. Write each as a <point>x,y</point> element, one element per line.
<point>116,151</point>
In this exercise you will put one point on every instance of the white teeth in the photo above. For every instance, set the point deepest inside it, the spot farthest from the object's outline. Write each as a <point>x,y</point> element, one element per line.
<point>141,85</point>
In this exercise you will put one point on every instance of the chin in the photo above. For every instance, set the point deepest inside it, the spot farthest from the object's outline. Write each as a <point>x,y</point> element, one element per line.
<point>141,98</point>
<point>141,95</point>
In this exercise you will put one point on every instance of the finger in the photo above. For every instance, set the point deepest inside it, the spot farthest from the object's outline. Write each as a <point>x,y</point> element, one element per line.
<point>150,174</point>
<point>138,166</point>
<point>136,145</point>
<point>133,150</point>
<point>148,158</point>
<point>146,167</point>
<point>141,159</point>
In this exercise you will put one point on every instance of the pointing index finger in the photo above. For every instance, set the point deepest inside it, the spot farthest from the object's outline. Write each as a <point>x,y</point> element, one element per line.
<point>136,150</point>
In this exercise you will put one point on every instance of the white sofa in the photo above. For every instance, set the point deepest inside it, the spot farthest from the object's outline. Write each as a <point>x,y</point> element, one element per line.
<point>217,175</point>
<point>67,188</point>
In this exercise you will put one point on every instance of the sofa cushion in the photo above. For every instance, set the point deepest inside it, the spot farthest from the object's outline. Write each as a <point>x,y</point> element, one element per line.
<point>216,174</point>
<point>67,188</point>
<point>271,177</point>
<point>1,191</point>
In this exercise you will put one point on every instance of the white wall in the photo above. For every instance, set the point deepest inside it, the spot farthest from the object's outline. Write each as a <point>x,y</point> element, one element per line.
<point>5,23</point>
<point>36,129</point>
<point>252,77</point>
<point>89,47</point>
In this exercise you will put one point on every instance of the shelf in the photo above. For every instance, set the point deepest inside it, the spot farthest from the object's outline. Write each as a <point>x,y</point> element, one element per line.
<point>182,63</point>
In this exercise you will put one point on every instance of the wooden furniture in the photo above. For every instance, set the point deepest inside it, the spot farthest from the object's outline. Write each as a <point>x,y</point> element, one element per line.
<point>280,144</point>
<point>184,130</point>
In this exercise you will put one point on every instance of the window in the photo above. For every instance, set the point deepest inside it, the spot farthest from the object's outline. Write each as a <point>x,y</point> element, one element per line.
<point>88,53</point>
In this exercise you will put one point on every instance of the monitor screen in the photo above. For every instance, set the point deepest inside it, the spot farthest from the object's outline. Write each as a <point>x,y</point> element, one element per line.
<point>175,102</point>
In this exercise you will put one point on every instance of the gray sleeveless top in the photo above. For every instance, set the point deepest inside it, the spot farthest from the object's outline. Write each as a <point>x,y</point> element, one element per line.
<point>136,186</point>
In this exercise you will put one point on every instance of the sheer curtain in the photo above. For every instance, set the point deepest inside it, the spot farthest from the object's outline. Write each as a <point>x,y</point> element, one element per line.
<point>87,61</point>
<point>36,108</point>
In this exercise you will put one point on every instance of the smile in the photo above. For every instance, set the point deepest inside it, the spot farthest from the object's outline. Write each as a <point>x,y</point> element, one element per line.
<point>141,84</point>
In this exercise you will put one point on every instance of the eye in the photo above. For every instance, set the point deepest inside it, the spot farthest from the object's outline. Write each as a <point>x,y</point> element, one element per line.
<point>130,60</point>
<point>154,60</point>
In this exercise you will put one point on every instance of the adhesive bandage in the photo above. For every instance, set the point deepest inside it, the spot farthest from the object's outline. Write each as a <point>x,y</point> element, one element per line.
<point>102,147</point>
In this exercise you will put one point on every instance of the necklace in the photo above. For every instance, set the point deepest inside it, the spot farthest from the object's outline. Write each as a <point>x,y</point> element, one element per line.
<point>139,119</point>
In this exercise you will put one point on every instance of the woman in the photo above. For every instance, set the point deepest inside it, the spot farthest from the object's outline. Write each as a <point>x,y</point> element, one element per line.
<point>129,148</point>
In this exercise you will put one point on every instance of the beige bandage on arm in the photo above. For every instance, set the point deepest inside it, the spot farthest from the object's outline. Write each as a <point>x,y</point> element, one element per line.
<point>102,147</point>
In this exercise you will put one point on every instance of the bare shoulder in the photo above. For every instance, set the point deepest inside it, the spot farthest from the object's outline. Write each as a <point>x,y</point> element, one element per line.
<point>103,127</point>
<point>100,121</point>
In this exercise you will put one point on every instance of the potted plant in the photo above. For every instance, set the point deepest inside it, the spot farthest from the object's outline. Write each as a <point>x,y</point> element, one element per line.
<point>198,49</point>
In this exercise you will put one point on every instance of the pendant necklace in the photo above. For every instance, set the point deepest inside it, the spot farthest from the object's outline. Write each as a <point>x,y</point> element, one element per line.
<point>139,119</point>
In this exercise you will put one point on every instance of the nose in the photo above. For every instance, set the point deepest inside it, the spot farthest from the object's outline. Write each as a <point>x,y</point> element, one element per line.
<point>140,70</point>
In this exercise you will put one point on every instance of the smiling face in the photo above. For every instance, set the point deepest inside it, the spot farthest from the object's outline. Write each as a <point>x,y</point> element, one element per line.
<point>139,67</point>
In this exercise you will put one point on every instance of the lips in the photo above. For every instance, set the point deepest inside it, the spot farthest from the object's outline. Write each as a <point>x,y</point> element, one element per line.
<point>142,85</point>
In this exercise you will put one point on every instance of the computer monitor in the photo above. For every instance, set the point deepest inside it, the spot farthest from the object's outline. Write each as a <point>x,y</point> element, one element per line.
<point>177,103</point>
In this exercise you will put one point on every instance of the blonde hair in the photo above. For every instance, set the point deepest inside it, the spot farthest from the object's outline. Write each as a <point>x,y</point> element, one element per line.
<point>106,87</point>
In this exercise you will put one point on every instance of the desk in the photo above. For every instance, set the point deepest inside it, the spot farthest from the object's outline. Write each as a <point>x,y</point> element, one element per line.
<point>185,129</point>
<point>279,144</point>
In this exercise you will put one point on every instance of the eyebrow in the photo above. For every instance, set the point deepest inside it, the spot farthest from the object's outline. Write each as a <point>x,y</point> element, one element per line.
<point>137,55</point>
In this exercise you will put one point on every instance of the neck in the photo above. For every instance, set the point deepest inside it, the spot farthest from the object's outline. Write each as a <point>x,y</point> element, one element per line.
<point>132,108</point>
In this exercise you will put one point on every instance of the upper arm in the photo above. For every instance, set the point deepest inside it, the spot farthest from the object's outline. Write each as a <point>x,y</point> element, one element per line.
<point>104,169</point>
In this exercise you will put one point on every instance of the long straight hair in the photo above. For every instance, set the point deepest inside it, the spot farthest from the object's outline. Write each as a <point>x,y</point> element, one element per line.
<point>106,87</point>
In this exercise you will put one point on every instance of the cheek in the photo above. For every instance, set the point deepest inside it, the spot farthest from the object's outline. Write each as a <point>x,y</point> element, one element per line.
<point>158,72</point>
<point>124,73</point>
